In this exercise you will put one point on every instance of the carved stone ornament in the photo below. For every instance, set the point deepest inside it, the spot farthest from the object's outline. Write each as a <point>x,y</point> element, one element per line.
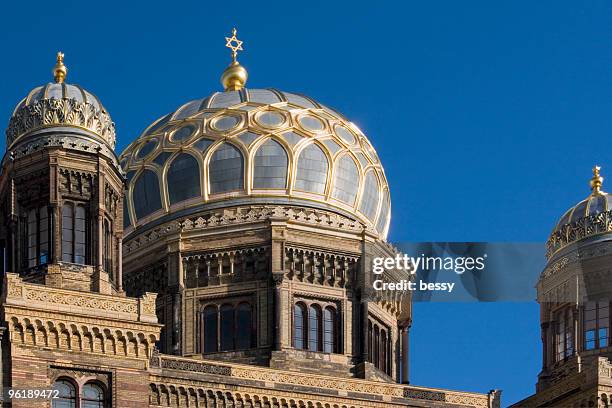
<point>58,112</point>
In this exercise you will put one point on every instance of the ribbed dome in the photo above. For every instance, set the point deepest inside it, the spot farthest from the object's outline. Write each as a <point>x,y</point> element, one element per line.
<point>60,105</point>
<point>259,146</point>
<point>589,217</point>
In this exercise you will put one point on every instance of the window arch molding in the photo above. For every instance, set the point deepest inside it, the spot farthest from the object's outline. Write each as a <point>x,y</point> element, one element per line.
<point>165,172</point>
<point>88,392</point>
<point>296,162</point>
<point>208,158</point>
<point>252,161</point>
<point>302,331</point>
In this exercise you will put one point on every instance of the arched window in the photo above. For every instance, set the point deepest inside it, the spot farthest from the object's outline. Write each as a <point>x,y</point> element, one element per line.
<point>227,327</point>
<point>369,199</point>
<point>66,397</point>
<point>329,330</point>
<point>383,351</point>
<point>370,342</point>
<point>108,249</point>
<point>183,178</point>
<point>145,196</point>
<point>312,169</point>
<point>299,326</point>
<point>346,180</point>
<point>226,169</point>
<point>74,233</point>
<point>210,326</point>
<point>92,396</point>
<point>270,170</point>
<point>376,346</point>
<point>36,237</point>
<point>243,326</point>
<point>314,328</point>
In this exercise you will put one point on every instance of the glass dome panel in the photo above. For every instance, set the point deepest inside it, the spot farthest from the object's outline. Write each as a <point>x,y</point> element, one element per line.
<point>346,180</point>
<point>159,124</point>
<point>203,144</point>
<point>270,170</point>
<point>183,178</point>
<point>146,148</point>
<point>146,197</point>
<point>224,123</point>
<point>292,138</point>
<point>184,133</point>
<point>596,205</point>
<point>369,200</point>
<point>312,170</point>
<point>311,123</point>
<point>248,137</point>
<point>270,119</point>
<point>345,134</point>
<point>384,212</point>
<point>226,169</point>
<point>126,214</point>
<point>161,158</point>
<point>580,211</point>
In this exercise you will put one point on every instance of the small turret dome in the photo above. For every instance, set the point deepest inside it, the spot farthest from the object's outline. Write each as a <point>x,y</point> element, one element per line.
<point>60,106</point>
<point>588,218</point>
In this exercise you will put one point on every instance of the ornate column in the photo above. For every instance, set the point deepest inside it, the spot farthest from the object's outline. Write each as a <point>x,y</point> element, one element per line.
<point>278,283</point>
<point>405,344</point>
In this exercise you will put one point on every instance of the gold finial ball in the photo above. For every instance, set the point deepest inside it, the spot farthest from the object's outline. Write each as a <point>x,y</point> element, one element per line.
<point>234,77</point>
<point>60,71</point>
<point>596,181</point>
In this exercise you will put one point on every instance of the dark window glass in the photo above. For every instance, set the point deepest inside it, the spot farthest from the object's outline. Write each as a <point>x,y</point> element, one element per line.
<point>376,352</point>
<point>227,327</point>
<point>226,169</point>
<point>383,351</point>
<point>299,326</point>
<point>92,396</point>
<point>66,397</point>
<point>370,342</point>
<point>79,234</point>
<point>270,166</point>
<point>314,328</point>
<point>210,329</point>
<point>145,197</point>
<point>596,317</point>
<point>67,227</point>
<point>243,326</point>
<point>43,236</point>
<point>32,233</point>
<point>312,170</point>
<point>329,330</point>
<point>108,248</point>
<point>183,178</point>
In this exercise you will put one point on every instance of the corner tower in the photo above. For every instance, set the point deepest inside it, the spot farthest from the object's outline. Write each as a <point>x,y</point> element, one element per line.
<point>61,190</point>
<point>574,293</point>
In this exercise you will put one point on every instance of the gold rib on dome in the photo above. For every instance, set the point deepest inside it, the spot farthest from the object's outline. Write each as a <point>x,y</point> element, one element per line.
<point>235,75</point>
<point>60,71</point>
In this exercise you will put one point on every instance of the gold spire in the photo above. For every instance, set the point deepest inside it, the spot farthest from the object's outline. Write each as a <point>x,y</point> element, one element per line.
<point>235,76</point>
<point>596,182</point>
<point>60,71</point>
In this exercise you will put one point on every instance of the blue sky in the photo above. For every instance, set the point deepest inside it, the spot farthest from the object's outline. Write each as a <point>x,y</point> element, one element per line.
<point>488,117</point>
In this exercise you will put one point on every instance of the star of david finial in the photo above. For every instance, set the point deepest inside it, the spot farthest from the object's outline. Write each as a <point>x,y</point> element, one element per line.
<point>234,44</point>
